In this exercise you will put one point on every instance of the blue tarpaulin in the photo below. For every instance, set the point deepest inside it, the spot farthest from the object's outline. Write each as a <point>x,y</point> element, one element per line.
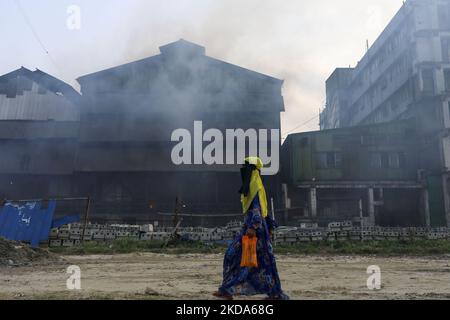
<point>29,222</point>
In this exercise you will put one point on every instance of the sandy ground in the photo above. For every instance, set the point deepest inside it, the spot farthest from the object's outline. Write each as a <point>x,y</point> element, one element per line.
<point>158,276</point>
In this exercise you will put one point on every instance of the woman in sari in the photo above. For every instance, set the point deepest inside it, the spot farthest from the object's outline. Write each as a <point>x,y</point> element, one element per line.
<point>264,278</point>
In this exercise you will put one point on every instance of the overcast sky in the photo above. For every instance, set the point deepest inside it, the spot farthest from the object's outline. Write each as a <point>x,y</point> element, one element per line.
<point>299,41</point>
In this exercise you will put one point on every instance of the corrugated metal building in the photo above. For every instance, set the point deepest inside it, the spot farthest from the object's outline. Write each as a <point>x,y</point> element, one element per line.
<point>115,144</point>
<point>129,113</point>
<point>35,95</point>
<point>39,122</point>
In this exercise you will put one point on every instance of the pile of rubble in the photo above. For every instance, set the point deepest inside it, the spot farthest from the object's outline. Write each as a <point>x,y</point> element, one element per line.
<point>336,231</point>
<point>345,231</point>
<point>18,254</point>
<point>72,235</point>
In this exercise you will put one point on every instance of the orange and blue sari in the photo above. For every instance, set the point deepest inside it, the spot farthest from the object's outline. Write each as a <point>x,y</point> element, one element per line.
<point>263,279</point>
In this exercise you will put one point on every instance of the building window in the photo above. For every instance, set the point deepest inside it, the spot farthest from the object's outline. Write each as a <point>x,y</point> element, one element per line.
<point>445,44</point>
<point>385,160</point>
<point>329,160</point>
<point>447,79</point>
<point>397,160</point>
<point>428,81</point>
<point>375,160</point>
<point>448,105</point>
<point>394,160</point>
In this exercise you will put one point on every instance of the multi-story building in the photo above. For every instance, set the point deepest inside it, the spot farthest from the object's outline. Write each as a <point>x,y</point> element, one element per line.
<point>404,75</point>
<point>121,151</point>
<point>407,67</point>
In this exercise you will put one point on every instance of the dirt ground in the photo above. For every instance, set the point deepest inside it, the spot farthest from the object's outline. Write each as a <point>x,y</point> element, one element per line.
<point>189,276</point>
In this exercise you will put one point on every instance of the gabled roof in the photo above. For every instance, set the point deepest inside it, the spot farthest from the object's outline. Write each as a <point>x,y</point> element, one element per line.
<point>176,49</point>
<point>45,80</point>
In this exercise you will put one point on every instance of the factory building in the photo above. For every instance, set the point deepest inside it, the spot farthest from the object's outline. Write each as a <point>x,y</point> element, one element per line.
<point>404,75</point>
<point>39,121</point>
<point>119,136</point>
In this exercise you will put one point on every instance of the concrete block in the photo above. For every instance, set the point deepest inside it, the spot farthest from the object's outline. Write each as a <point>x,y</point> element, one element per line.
<point>334,226</point>
<point>134,235</point>
<point>316,236</point>
<point>55,243</point>
<point>291,239</point>
<point>53,233</point>
<point>87,232</point>
<point>355,235</point>
<point>346,225</point>
<point>110,236</point>
<point>392,235</point>
<point>98,236</point>
<point>367,235</point>
<point>67,243</point>
<point>63,234</point>
<point>146,236</point>
<point>64,228</point>
<point>146,228</point>
<point>342,235</point>
<point>308,226</point>
<point>121,234</point>
<point>216,237</point>
<point>75,234</point>
<point>87,237</point>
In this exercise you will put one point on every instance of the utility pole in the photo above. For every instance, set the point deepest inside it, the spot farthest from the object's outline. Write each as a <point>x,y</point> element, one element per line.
<point>175,215</point>
<point>361,217</point>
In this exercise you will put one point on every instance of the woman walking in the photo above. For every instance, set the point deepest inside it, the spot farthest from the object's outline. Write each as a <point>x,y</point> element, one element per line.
<point>263,278</point>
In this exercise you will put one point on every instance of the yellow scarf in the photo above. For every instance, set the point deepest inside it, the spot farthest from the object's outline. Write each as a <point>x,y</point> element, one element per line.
<point>256,187</point>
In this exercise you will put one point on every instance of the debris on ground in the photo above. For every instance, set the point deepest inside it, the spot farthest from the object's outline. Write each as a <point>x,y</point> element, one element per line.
<point>15,254</point>
<point>151,292</point>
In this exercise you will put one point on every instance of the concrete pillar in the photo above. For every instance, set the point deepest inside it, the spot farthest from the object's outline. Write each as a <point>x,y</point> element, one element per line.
<point>313,202</point>
<point>381,199</point>
<point>446,198</point>
<point>426,207</point>
<point>287,204</point>
<point>371,206</point>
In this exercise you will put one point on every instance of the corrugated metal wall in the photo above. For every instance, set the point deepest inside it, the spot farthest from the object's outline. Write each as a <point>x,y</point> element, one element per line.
<point>37,105</point>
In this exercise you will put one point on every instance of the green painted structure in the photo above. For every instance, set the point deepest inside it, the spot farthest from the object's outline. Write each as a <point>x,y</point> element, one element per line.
<point>374,170</point>
<point>383,152</point>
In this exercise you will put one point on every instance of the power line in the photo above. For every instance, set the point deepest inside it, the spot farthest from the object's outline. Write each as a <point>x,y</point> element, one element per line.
<point>35,34</point>
<point>301,125</point>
